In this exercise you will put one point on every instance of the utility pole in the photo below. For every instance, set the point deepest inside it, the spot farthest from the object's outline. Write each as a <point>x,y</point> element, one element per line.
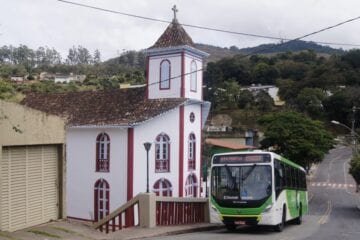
<point>353,133</point>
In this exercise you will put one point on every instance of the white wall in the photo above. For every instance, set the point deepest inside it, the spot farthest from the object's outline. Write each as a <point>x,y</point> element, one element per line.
<point>81,175</point>
<point>195,128</point>
<point>154,76</point>
<point>169,124</point>
<point>189,94</point>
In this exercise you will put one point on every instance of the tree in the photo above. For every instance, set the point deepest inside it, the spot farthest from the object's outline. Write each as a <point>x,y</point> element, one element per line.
<point>264,101</point>
<point>355,170</point>
<point>84,56</point>
<point>309,101</point>
<point>264,73</point>
<point>296,137</point>
<point>72,57</point>
<point>227,95</point>
<point>352,58</point>
<point>97,57</point>
<point>246,99</point>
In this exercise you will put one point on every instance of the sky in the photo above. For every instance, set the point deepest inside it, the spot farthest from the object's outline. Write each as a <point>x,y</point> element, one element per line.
<point>59,25</point>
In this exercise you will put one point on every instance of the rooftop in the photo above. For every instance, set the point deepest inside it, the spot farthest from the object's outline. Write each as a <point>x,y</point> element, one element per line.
<point>174,35</point>
<point>113,107</point>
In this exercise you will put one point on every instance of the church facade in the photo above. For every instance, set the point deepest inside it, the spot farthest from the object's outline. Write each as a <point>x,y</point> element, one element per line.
<point>106,131</point>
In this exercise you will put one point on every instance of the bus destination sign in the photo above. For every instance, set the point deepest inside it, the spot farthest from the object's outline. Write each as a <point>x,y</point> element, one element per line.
<point>242,158</point>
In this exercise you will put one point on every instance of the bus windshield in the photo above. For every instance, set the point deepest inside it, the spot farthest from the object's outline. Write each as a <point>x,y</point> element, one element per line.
<point>241,184</point>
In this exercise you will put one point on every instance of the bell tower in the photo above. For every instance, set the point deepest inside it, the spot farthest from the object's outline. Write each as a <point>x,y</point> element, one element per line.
<point>174,65</point>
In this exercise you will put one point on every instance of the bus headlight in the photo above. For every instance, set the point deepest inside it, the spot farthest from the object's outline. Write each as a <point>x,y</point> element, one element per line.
<point>268,208</point>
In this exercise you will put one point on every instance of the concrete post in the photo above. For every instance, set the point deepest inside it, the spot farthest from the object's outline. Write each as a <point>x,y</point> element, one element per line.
<point>147,210</point>
<point>207,211</point>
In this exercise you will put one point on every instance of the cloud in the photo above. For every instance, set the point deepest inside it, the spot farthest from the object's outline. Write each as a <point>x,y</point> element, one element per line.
<point>59,25</point>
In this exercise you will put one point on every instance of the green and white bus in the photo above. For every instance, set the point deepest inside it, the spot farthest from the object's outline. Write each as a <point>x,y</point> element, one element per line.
<point>257,188</point>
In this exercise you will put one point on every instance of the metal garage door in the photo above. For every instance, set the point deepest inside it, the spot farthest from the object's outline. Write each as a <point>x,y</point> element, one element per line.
<point>29,186</point>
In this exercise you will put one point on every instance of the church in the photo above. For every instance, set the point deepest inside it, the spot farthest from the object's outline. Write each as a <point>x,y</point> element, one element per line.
<point>106,162</point>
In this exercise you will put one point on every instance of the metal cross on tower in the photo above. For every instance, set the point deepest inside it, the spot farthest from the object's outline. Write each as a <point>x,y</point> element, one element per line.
<point>175,10</point>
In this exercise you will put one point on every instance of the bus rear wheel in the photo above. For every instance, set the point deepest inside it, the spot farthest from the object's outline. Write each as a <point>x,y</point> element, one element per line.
<point>298,220</point>
<point>281,225</point>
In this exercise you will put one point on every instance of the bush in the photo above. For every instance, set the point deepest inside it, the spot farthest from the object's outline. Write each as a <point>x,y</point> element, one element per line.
<point>355,169</point>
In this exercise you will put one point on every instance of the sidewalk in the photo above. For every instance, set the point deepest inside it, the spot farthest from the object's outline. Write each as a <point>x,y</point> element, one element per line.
<point>75,230</point>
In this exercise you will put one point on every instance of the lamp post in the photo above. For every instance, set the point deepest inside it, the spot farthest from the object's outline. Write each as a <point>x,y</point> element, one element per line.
<point>147,146</point>
<point>353,134</point>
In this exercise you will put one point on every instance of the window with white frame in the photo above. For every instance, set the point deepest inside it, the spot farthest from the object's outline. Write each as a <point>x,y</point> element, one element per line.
<point>165,68</point>
<point>162,153</point>
<point>191,186</point>
<point>193,76</point>
<point>192,152</point>
<point>103,153</point>
<point>162,187</point>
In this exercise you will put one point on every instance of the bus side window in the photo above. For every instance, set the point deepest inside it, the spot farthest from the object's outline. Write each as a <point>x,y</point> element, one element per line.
<point>284,180</point>
<point>288,177</point>
<point>303,181</point>
<point>278,178</point>
<point>293,175</point>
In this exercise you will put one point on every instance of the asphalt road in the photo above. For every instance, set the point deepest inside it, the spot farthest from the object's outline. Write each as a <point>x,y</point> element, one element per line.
<point>334,212</point>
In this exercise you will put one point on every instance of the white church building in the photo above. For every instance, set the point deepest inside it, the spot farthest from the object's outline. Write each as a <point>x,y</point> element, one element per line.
<point>106,162</point>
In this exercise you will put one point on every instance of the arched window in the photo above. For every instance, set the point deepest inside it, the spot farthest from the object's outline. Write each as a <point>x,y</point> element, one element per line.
<point>193,76</point>
<point>162,187</point>
<point>192,152</point>
<point>102,199</point>
<point>103,153</point>
<point>191,186</point>
<point>165,74</point>
<point>162,153</point>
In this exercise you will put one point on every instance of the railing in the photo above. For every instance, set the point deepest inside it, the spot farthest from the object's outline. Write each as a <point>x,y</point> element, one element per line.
<point>156,211</point>
<point>115,220</point>
<point>174,211</point>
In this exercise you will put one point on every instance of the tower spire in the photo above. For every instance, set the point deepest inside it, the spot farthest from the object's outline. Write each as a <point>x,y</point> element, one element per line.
<point>175,10</point>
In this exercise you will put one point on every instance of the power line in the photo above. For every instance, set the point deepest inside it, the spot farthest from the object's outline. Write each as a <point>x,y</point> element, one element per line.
<point>244,56</point>
<point>271,47</point>
<point>210,28</point>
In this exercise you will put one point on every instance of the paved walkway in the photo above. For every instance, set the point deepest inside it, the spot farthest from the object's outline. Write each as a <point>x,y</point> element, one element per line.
<point>75,230</point>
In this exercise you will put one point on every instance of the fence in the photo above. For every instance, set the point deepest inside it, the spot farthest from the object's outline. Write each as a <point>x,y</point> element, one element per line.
<point>150,211</point>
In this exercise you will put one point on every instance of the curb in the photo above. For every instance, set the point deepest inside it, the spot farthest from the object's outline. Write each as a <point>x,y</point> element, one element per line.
<point>182,231</point>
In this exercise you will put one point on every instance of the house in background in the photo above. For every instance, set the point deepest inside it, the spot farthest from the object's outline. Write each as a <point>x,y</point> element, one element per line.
<point>67,78</point>
<point>18,79</point>
<point>106,131</point>
<point>45,76</point>
<point>272,90</point>
<point>226,145</point>
<point>31,167</point>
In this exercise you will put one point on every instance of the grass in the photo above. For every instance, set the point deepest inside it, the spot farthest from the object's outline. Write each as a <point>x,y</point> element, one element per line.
<point>39,232</point>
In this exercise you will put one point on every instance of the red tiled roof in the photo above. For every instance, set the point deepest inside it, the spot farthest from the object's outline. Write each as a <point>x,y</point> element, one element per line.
<point>174,35</point>
<point>115,107</point>
<point>227,144</point>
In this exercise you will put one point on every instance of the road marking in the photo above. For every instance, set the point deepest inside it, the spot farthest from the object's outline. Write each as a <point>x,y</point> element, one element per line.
<point>324,218</point>
<point>332,185</point>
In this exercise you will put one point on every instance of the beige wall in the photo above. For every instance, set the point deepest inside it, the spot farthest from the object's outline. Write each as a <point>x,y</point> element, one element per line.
<point>36,128</point>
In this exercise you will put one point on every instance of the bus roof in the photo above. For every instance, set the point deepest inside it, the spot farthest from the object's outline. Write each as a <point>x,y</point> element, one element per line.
<point>274,155</point>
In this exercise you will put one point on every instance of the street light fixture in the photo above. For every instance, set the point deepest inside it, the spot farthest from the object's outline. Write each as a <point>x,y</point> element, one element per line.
<point>353,134</point>
<point>147,146</point>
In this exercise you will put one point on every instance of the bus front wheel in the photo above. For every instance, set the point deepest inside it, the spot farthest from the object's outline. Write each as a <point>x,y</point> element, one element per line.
<point>230,226</point>
<point>281,225</point>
